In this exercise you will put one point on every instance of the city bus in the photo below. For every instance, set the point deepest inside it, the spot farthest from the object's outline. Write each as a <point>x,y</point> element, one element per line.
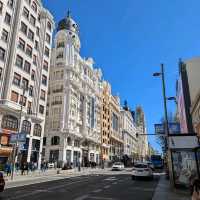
<point>157,161</point>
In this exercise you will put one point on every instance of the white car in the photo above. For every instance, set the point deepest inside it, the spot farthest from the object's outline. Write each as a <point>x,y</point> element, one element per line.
<point>51,165</point>
<point>118,166</point>
<point>142,170</point>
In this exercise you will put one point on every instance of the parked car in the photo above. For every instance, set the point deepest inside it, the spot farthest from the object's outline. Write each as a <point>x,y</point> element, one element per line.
<point>51,165</point>
<point>142,170</point>
<point>118,166</point>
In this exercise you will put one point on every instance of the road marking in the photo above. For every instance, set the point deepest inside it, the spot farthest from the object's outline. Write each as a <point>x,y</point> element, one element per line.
<point>110,178</point>
<point>101,198</point>
<point>49,189</point>
<point>107,186</point>
<point>114,183</point>
<point>82,197</point>
<point>98,190</point>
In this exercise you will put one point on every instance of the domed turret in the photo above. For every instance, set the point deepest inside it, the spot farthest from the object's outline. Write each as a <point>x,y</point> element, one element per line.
<point>68,24</point>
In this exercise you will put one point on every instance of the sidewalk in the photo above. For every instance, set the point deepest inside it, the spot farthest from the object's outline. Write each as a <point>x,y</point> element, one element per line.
<point>164,192</point>
<point>49,175</point>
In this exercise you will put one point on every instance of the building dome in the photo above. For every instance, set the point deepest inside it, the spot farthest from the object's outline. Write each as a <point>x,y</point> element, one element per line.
<point>68,24</point>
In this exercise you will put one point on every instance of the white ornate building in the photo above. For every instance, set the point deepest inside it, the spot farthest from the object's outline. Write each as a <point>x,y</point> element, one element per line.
<point>73,122</point>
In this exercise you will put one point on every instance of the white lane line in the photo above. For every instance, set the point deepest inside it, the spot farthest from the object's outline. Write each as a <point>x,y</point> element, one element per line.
<point>96,191</point>
<point>82,197</point>
<point>107,186</point>
<point>49,189</point>
<point>114,183</point>
<point>101,198</point>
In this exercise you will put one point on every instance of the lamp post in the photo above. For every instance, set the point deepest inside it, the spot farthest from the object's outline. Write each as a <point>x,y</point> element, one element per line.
<point>162,74</point>
<point>15,147</point>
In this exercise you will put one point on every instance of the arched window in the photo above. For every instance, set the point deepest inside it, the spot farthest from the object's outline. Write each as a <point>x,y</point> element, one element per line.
<point>10,122</point>
<point>37,130</point>
<point>26,127</point>
<point>55,140</point>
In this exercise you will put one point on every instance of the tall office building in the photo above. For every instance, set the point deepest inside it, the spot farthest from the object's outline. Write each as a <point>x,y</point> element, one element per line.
<point>25,50</point>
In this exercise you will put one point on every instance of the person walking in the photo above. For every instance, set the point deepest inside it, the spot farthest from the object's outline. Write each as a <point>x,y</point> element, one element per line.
<point>8,169</point>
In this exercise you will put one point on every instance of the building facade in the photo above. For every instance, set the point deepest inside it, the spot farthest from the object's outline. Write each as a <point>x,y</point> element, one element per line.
<point>73,125</point>
<point>116,137</point>
<point>142,139</point>
<point>105,120</point>
<point>25,50</point>
<point>129,134</point>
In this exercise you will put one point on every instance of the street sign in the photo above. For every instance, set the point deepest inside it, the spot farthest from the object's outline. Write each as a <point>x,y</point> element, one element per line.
<point>174,128</point>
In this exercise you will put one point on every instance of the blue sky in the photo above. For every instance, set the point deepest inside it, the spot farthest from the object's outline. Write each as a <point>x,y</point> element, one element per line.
<point>129,39</point>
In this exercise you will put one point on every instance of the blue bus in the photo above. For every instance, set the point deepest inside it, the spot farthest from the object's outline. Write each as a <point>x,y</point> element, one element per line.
<point>157,161</point>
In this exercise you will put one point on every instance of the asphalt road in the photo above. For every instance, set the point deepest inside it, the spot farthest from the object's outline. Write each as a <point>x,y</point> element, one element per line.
<point>91,187</point>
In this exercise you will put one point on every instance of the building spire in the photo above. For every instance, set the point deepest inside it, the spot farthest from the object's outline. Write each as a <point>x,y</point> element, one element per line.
<point>68,13</point>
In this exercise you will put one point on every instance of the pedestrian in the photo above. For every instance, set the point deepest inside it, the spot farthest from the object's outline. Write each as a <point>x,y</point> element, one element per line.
<point>196,190</point>
<point>26,168</point>
<point>22,169</point>
<point>17,167</point>
<point>8,169</point>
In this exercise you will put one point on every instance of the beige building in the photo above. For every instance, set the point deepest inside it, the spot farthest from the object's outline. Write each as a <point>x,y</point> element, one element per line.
<point>25,50</point>
<point>116,138</point>
<point>105,120</point>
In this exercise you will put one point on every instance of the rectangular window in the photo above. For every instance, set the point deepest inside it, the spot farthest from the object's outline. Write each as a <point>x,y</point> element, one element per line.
<point>17,79</point>
<point>7,19</point>
<point>21,44</point>
<point>22,100</point>
<point>1,73</point>
<point>48,38</point>
<point>45,66</point>
<point>42,95</point>
<point>26,13</point>
<point>14,96</point>
<point>31,91</point>
<point>36,45</point>
<point>35,60</point>
<point>34,6</point>
<point>23,28</point>
<point>19,61</point>
<point>32,20</point>
<point>1,7</point>
<point>33,75</point>
<point>29,50</point>
<point>41,109</point>
<point>37,31</point>
<point>30,35</point>
<point>27,67</point>
<point>49,25</point>
<point>25,83</point>
<point>29,108</point>
<point>46,51</point>
<point>44,80</point>
<point>2,54</point>
<point>4,35</point>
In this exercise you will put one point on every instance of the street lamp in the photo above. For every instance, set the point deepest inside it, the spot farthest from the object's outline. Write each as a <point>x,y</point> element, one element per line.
<point>162,74</point>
